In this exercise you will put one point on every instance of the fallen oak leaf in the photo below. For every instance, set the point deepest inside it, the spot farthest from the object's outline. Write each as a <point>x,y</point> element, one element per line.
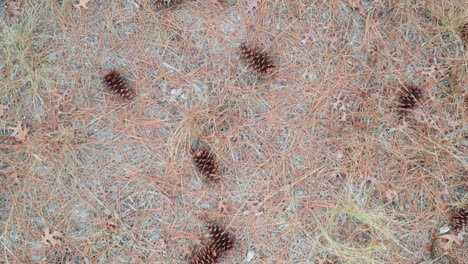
<point>82,3</point>
<point>373,57</point>
<point>354,3</point>
<point>112,225</point>
<point>160,247</point>
<point>223,208</point>
<point>19,134</point>
<point>252,4</point>
<point>451,238</point>
<point>325,260</point>
<point>3,109</point>
<point>254,207</point>
<point>311,35</point>
<point>218,3</point>
<point>13,175</point>
<point>51,239</point>
<point>391,194</point>
<point>13,10</point>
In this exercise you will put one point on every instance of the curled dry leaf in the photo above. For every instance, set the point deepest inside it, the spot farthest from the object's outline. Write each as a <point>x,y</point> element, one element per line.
<point>436,72</point>
<point>160,246</point>
<point>13,10</point>
<point>82,3</point>
<point>451,238</point>
<point>254,207</point>
<point>3,110</point>
<point>311,35</point>
<point>373,57</point>
<point>19,133</point>
<point>342,102</point>
<point>325,260</point>
<point>463,33</point>
<point>341,105</point>
<point>355,4</point>
<point>391,193</point>
<point>223,208</point>
<point>51,239</point>
<point>13,175</point>
<point>112,225</point>
<point>252,4</point>
<point>218,3</point>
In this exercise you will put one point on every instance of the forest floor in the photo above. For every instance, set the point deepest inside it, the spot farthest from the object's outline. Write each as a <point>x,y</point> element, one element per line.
<point>317,163</point>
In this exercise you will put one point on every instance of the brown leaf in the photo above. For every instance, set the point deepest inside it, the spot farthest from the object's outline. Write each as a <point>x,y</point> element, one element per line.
<point>82,3</point>
<point>373,57</point>
<point>451,238</point>
<point>391,193</point>
<point>13,10</point>
<point>19,134</point>
<point>354,3</point>
<point>218,3</point>
<point>325,260</point>
<point>3,110</point>
<point>311,35</point>
<point>252,4</point>
<point>223,208</point>
<point>51,239</point>
<point>254,207</point>
<point>14,177</point>
<point>112,226</point>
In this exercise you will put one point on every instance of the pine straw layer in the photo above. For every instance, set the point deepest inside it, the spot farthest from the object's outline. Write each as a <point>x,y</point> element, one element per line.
<point>316,162</point>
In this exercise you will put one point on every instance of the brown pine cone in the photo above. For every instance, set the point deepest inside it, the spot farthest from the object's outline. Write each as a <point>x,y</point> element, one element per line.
<point>115,82</point>
<point>257,60</point>
<point>205,161</point>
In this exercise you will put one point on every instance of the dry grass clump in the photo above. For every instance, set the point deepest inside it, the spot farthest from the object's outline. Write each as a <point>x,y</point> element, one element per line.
<point>315,165</point>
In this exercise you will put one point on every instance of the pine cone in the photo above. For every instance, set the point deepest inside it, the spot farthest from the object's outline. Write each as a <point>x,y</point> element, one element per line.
<point>257,60</point>
<point>409,97</point>
<point>206,164</point>
<point>459,220</point>
<point>464,35</point>
<point>206,255</point>
<point>117,83</point>
<point>214,231</point>
<point>223,244</point>
<point>221,240</point>
<point>166,3</point>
